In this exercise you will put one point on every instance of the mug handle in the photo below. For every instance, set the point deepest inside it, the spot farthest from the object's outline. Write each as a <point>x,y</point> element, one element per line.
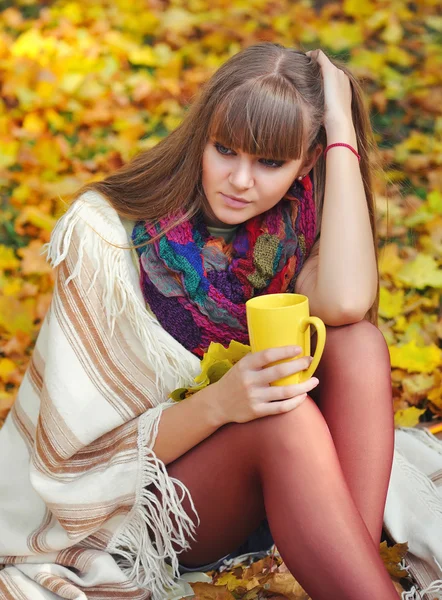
<point>320,343</point>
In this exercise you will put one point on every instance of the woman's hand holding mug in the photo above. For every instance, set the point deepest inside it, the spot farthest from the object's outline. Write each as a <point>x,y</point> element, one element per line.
<point>245,392</point>
<point>270,380</point>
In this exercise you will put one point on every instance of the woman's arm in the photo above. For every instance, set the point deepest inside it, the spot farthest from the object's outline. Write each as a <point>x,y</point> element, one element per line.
<point>340,276</point>
<point>186,424</point>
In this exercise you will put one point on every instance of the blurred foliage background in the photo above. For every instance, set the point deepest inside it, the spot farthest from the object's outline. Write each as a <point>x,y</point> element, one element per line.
<point>87,85</point>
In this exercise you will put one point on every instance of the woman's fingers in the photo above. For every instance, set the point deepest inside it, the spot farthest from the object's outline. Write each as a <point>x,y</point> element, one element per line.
<point>259,360</point>
<point>314,53</point>
<point>284,369</point>
<point>284,392</point>
<point>320,57</point>
<point>276,408</point>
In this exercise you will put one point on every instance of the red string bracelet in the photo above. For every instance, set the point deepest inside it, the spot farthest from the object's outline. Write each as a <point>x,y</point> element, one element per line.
<point>342,144</point>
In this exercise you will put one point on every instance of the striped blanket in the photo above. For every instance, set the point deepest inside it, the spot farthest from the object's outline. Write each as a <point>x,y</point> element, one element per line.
<point>76,460</point>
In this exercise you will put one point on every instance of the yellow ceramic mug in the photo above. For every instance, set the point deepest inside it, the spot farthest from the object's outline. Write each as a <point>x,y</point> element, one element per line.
<point>276,320</point>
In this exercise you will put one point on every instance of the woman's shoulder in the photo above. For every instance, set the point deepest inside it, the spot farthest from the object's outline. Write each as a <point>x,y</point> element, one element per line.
<point>91,219</point>
<point>93,206</point>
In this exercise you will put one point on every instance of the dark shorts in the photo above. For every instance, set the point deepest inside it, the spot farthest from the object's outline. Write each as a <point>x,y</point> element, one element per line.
<point>259,542</point>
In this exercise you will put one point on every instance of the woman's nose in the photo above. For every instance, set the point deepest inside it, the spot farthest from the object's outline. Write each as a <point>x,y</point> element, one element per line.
<point>241,175</point>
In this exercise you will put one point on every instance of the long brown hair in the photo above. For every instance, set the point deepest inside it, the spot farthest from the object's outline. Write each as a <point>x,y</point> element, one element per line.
<point>266,100</point>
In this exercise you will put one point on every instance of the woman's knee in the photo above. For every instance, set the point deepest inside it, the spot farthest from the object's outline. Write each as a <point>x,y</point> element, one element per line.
<point>358,341</point>
<point>271,433</point>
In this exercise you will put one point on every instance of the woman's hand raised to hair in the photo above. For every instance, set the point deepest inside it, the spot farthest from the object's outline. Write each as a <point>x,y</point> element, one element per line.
<point>337,91</point>
<point>244,393</point>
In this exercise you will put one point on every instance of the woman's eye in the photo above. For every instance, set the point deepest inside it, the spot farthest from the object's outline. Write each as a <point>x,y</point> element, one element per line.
<point>275,163</point>
<point>221,149</point>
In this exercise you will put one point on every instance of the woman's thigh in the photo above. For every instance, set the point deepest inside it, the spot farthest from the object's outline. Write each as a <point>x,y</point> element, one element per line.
<point>224,475</point>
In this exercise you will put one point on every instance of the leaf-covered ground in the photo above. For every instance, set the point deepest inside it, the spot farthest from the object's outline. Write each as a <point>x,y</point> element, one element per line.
<point>86,85</point>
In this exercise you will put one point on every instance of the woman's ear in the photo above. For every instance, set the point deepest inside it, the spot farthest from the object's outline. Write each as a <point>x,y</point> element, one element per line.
<point>311,160</point>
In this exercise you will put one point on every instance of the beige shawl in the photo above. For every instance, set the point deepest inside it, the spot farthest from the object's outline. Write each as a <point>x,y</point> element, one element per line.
<point>76,450</point>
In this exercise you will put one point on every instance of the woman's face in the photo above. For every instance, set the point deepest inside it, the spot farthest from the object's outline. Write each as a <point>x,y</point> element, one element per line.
<point>258,180</point>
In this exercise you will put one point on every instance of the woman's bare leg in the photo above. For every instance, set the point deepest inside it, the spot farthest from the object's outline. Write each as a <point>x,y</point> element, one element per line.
<point>354,395</point>
<point>285,467</point>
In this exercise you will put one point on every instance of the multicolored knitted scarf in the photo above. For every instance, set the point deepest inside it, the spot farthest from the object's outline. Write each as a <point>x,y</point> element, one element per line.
<point>197,285</point>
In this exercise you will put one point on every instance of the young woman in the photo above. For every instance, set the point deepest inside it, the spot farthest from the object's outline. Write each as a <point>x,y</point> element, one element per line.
<point>265,187</point>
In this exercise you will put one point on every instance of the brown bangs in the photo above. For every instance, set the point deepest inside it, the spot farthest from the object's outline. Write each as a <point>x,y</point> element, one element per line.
<point>262,117</point>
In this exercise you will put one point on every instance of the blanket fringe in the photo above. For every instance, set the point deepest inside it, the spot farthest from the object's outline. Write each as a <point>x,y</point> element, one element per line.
<point>170,361</point>
<point>142,559</point>
<point>415,594</point>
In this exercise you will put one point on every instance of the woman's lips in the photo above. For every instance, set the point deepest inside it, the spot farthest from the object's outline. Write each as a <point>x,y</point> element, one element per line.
<point>233,203</point>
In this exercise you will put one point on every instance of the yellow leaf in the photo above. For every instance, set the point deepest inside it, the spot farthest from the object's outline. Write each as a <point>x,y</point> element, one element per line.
<point>236,351</point>
<point>434,21</point>
<point>340,35</point>
<point>434,200</point>
<point>34,124</point>
<point>217,353</point>
<point>12,287</point>
<point>377,19</point>
<point>393,33</point>
<point>415,142</point>
<point>46,92</point>
<point>417,384</point>
<point>392,556</point>
<point>417,359</point>
<point>28,44</point>
<point>228,579</point>
<point>48,153</point>
<point>423,271</point>
<point>55,120</point>
<point>72,11</point>
<point>143,56</point>
<point>21,193</point>
<point>32,214</point>
<point>435,396</point>
<point>400,324</point>
<point>71,82</point>
<point>408,417</point>
<point>359,8</point>
<point>8,260</point>
<point>214,365</point>
<point>391,304</point>
<point>7,367</point>
<point>395,84</point>
<point>389,261</point>
<point>397,55</point>
<point>368,61</point>
<point>8,153</point>
<point>216,371</point>
<point>178,394</point>
<point>178,20</point>
<point>17,316</point>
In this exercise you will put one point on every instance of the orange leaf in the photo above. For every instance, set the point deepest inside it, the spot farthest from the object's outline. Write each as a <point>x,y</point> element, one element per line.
<point>207,591</point>
<point>33,261</point>
<point>392,556</point>
<point>284,584</point>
